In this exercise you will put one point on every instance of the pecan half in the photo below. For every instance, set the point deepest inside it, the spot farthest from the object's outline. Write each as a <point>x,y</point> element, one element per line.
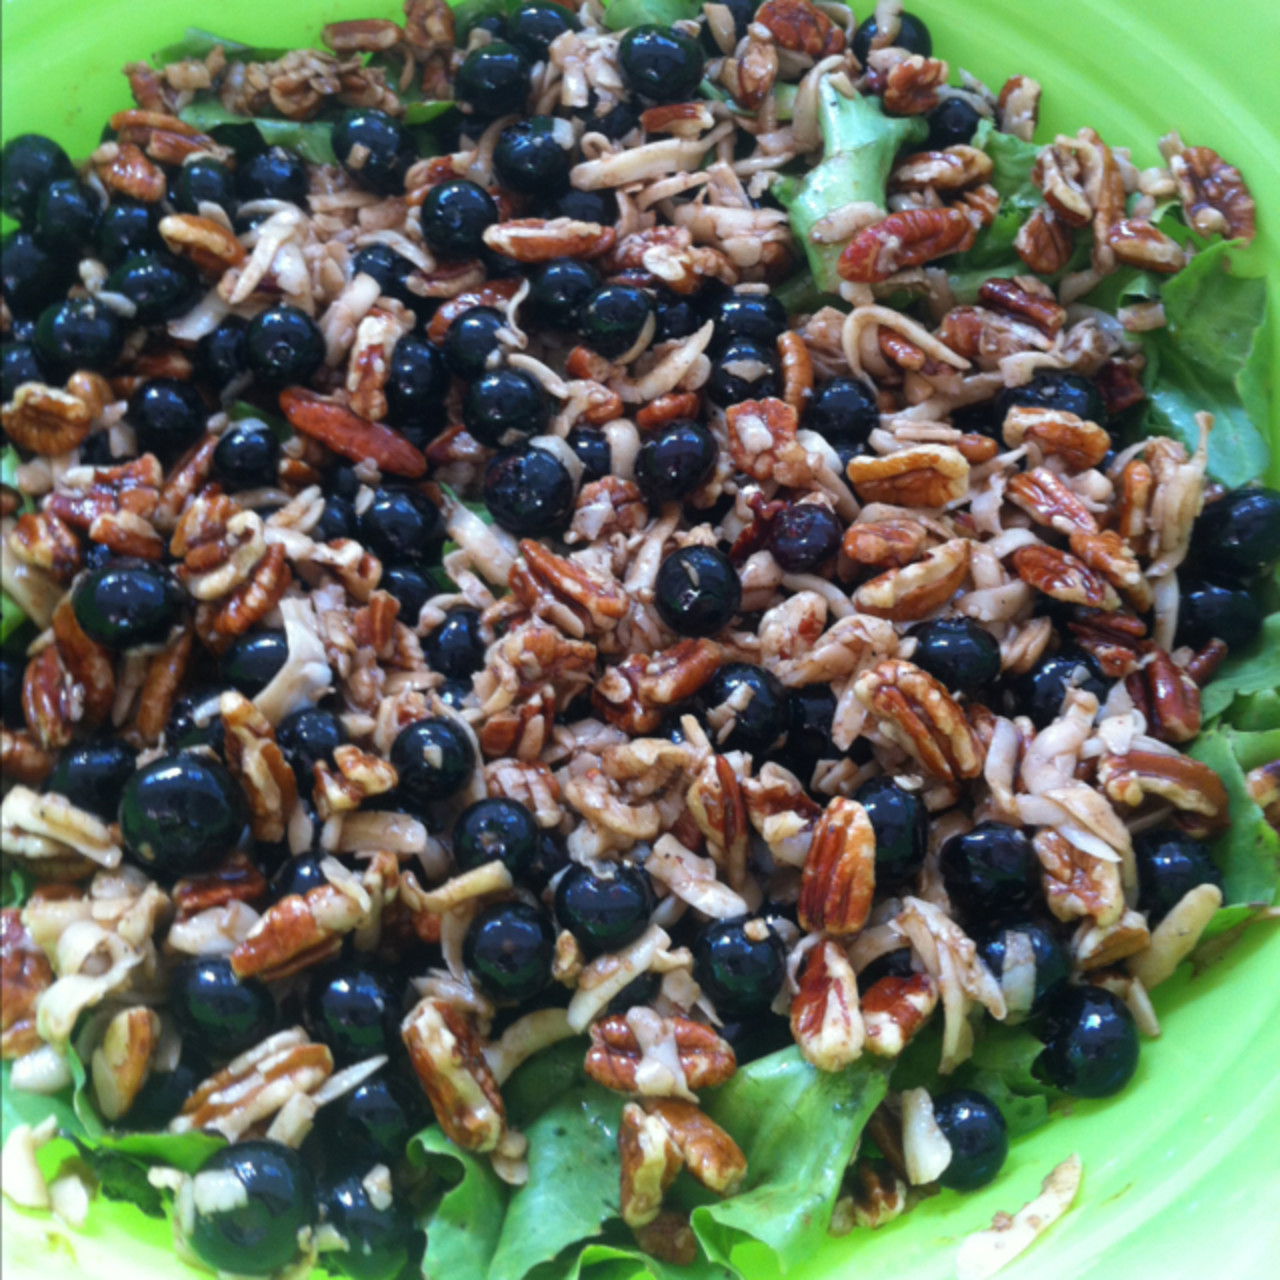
<point>635,694</point>
<point>48,700</point>
<point>1079,443</point>
<point>124,168</point>
<point>709,1153</point>
<point>542,239</point>
<point>617,1060</point>
<point>950,170</point>
<point>1047,500</point>
<point>25,973</point>
<point>801,27</point>
<point>908,594</point>
<point>1190,786</point>
<point>717,804</point>
<point>160,687</point>
<point>1137,484</point>
<point>885,544</point>
<point>1057,173</point>
<point>127,534</point>
<point>762,440</point>
<point>906,239</point>
<point>350,435</point>
<point>925,475</point>
<point>1137,243</point>
<point>1042,309</point>
<point>839,875</point>
<point>911,86</point>
<point>359,776</point>
<point>1076,884</point>
<point>121,1064</point>
<point>212,247</point>
<point>21,760</point>
<point>1107,553</point>
<point>258,764</point>
<point>300,931</point>
<point>42,539</point>
<point>1061,576</point>
<point>894,1009</point>
<point>236,880</point>
<point>1044,242</point>
<point>1116,640</point>
<point>1019,106</point>
<point>88,663</point>
<point>253,599</point>
<point>825,1019</point>
<point>46,421</point>
<point>1214,196</point>
<point>650,1161</point>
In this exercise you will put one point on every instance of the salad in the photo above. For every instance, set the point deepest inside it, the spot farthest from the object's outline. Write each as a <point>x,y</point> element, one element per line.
<point>632,636</point>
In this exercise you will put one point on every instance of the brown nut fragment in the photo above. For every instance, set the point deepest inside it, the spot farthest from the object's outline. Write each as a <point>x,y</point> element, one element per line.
<point>839,875</point>
<point>709,1153</point>
<point>635,694</point>
<point>1107,553</point>
<point>1096,946</point>
<point>359,776</point>
<point>257,763</point>
<point>1116,640</point>
<point>615,1056</point>
<point>42,539</point>
<point>1137,484</point>
<point>1137,243</point>
<point>1079,443</point>
<point>362,35</point>
<point>1202,665</point>
<point>89,665</point>
<point>1044,242</point>
<point>1190,786</point>
<point>252,600</point>
<point>1076,884</point>
<point>449,1061</point>
<point>1042,309</point>
<point>925,475</point>
<point>717,805</point>
<point>950,170</point>
<point>750,74</point>
<point>894,1009</point>
<point>1018,107</point>
<point>762,440</point>
<point>910,593</point>
<point>236,880</point>
<point>1263,784</point>
<point>594,598</point>
<point>127,534</point>
<point>25,973</point>
<point>212,247</point>
<point>46,421</point>
<point>885,544</point>
<point>667,408</point>
<point>1047,500</point>
<point>160,687</point>
<point>493,293</point>
<point>129,172</point>
<point>192,470</point>
<point>986,336</point>
<point>1057,172</point>
<point>1120,386</point>
<point>825,1019</point>
<point>350,435</point>
<point>916,712</point>
<point>21,760</point>
<point>682,119</point>
<point>650,1161</point>
<point>801,27</point>
<point>911,87</point>
<point>300,931</point>
<point>1214,196</point>
<point>906,239</point>
<point>1168,697</point>
<point>121,1064</point>
<point>542,239</point>
<point>1061,576</point>
<point>797,370</point>
<point>48,700</point>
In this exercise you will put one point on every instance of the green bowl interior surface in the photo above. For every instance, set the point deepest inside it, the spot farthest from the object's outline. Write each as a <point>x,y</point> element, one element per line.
<point>1182,1171</point>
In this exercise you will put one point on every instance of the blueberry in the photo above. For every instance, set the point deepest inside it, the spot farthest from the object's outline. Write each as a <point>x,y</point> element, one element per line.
<point>1209,611</point>
<point>417,384</point>
<point>637,994</point>
<point>12,672</point>
<point>67,215</point>
<point>551,858</point>
<point>843,411</point>
<point>307,737</point>
<point>374,148</point>
<point>283,345</point>
<point>978,1135</point>
<point>533,27</point>
<point>614,318</point>
<point>958,652</point>
<point>221,353</point>
<point>753,700</point>
<point>1066,392</point>
<point>78,334</point>
<point>912,35</point>
<point>163,1093</point>
<point>434,758</point>
<point>744,370</point>
<point>205,180</point>
<point>247,456</point>
<point>509,947</point>
<point>1170,865</point>
<point>219,1014</point>
<point>493,81</point>
<point>901,823</point>
<point>160,286</point>
<point>402,526</point>
<point>391,270</point>
<point>456,648</point>
<point>256,1232</point>
<point>353,1010</point>
<point>252,661</point>
<point>412,586</point>
<point>126,228</point>
<point>593,450</point>
<point>675,460</point>
<point>297,877</point>
<point>32,276</point>
<point>195,720</point>
<point>804,536</point>
<point>496,830</point>
<point>740,964</point>
<point>528,491</point>
<point>20,364</point>
<point>952,123</point>
<point>471,343</point>
<point>93,774</point>
<point>377,1235</point>
<point>1091,1043</point>
<point>757,316</point>
<point>126,604</point>
<point>28,164</point>
<point>181,815</point>
<point>374,1122</point>
<point>169,416</point>
<point>558,289</point>
<point>661,64</point>
<point>893,964</point>
<point>454,217</point>
<point>1239,535</point>
<point>697,591</point>
<point>503,401</point>
<point>534,156</point>
<point>1040,692</point>
<point>811,709</point>
<point>273,174</point>
<point>1052,965</point>
<point>587,206</point>
<point>338,521</point>
<point>991,872</point>
<point>605,912</point>
<point>678,317</point>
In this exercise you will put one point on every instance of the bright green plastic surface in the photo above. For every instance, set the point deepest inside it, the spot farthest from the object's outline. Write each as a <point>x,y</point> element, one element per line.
<point>1182,1172</point>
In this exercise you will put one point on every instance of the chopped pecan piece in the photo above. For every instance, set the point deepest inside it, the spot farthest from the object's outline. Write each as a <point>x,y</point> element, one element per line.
<point>762,440</point>
<point>43,540</point>
<point>253,599</point>
<point>212,247</point>
<point>160,687</point>
<point>801,27</point>
<point>48,700</point>
<point>300,931</point>
<point>717,806</point>
<point>1042,309</point>
<point>21,760</point>
<point>825,1019</point>
<point>1048,501</point>
<point>124,168</point>
<point>894,1009</point>
<point>950,170</point>
<point>650,1161</point>
<point>667,408</point>
<point>839,875</point>
<point>617,1059</point>
<point>1057,173</point>
<point>25,973</point>
<point>1137,484</point>
<point>1062,577</point>
<point>910,593</point>
<point>885,544</point>
<point>1044,242</point>
<point>44,420</point>
<point>1077,884</point>
<point>1107,553</point>
<point>122,1062</point>
<point>797,370</point>
<point>1116,640</point>
<point>925,475</point>
<point>1214,196</point>
<point>907,239</point>
<point>750,74</point>
<point>598,601</point>
<point>359,776</point>
<point>236,880</point>
<point>635,694</point>
<point>350,435</point>
<point>256,761</point>
<point>1264,790</point>
<point>1120,386</point>
<point>1019,106</point>
<point>911,86</point>
<point>1137,243</point>
<point>1190,786</point>
<point>362,35</point>
<point>127,534</point>
<point>530,240</point>
<point>88,663</point>
<point>1079,443</point>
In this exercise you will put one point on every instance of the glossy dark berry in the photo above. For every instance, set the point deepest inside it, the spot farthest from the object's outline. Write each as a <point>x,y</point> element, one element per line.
<point>678,317</point>
<point>307,737</point>
<point>127,603</point>
<point>297,877</point>
<point>758,316</point>
<point>498,830</point>
<point>12,672</point>
<point>92,775</point>
<point>255,1233</point>
<point>169,416</point>
<point>160,286</point>
<point>390,269</point>
<point>843,411</point>
<point>416,384</point>
<point>552,857</point>
<point>638,993</point>
<point>456,648</point>
<point>1091,1043</point>
<point>805,536</point>
<point>181,815</point>
<point>454,217</point>
<point>1063,391</point>
<point>164,1092</point>
<point>273,174</point>
<point>958,652</point>
<point>28,164</point>
<point>338,521</point>
<point>374,1122</point>
<point>18,364</point>
<point>912,35</point>
<point>32,276</point>
<point>991,872</point>
<point>811,708</point>
<point>377,1235</point>
<point>254,660</point>
<point>697,591</point>
<point>246,457</point>
<point>353,1010</point>
<point>533,27</point>
<point>605,912</point>
<point>205,181</point>
<point>558,290</point>
<point>220,1014</point>
<point>78,334</point>
<point>509,947</point>
<point>493,81</point>
<point>374,148</point>
<point>978,1135</point>
<point>1170,865</point>
<point>402,525</point>
<point>195,720</point>
<point>528,491</point>
<point>901,823</point>
<point>283,345</point>
<point>125,228</point>
<point>593,450</point>
<point>586,206</point>
<point>952,123</point>
<point>661,64</point>
<point>434,758</point>
<point>534,156</point>
<point>739,970</point>
<point>67,215</point>
<point>1052,964</point>
<point>614,317</point>
<point>412,586</point>
<point>1211,611</point>
<point>1040,692</point>
<point>744,370</point>
<point>221,353</point>
<point>893,964</point>
<point>675,460</point>
<point>757,706</point>
<point>1239,535</point>
<point>503,401</point>
<point>471,342</point>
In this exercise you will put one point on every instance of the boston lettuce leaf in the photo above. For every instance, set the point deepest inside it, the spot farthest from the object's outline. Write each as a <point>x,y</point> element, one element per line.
<point>1255,669</point>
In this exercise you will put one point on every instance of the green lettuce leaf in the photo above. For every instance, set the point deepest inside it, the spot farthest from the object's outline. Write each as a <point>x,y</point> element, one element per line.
<point>197,43</point>
<point>1254,670</point>
<point>1012,161</point>
<point>425,112</point>
<point>14,887</point>
<point>1257,712</point>
<point>312,140</point>
<point>620,14</point>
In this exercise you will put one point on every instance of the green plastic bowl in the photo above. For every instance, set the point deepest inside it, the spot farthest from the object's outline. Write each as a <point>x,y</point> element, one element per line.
<point>1182,1171</point>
